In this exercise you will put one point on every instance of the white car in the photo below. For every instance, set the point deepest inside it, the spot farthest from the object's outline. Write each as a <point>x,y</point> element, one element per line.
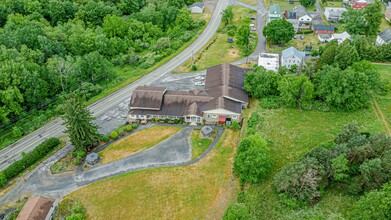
<point>200,77</point>
<point>199,83</point>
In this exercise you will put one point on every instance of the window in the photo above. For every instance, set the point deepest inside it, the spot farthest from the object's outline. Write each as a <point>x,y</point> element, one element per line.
<point>234,117</point>
<point>214,116</point>
<point>208,116</point>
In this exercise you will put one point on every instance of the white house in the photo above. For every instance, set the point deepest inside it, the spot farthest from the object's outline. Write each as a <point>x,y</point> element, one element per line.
<point>342,37</point>
<point>196,7</point>
<point>334,14</point>
<point>269,61</point>
<point>324,38</point>
<point>384,37</point>
<point>292,56</point>
<point>306,19</point>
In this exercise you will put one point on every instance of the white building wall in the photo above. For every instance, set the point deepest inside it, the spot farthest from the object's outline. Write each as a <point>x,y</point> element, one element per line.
<point>269,63</point>
<point>379,41</point>
<point>289,62</point>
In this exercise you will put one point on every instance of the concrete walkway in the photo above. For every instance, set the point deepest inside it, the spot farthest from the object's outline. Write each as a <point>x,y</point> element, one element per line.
<point>174,151</point>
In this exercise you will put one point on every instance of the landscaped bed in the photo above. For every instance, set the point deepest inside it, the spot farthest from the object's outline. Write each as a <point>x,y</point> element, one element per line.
<point>199,145</point>
<point>198,191</point>
<point>136,142</point>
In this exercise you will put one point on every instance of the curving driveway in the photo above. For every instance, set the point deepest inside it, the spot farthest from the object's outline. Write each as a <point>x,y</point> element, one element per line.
<point>174,151</point>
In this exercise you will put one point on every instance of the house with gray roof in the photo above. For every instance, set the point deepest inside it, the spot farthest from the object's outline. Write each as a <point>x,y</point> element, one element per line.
<point>274,13</point>
<point>220,102</point>
<point>334,14</point>
<point>292,56</point>
<point>303,16</point>
<point>196,7</point>
<point>384,37</point>
<point>323,29</point>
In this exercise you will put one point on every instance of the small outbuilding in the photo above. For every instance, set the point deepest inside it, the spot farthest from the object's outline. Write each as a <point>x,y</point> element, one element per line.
<point>196,7</point>
<point>206,132</point>
<point>37,207</point>
<point>92,159</point>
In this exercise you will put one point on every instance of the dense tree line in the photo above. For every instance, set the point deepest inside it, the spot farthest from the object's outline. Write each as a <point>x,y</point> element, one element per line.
<point>355,162</point>
<point>49,48</point>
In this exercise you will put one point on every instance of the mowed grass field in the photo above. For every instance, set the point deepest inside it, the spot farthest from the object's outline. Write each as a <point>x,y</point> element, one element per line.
<point>292,133</point>
<point>136,142</point>
<point>198,191</point>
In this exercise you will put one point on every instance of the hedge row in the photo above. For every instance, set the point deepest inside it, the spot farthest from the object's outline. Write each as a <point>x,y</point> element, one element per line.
<point>28,160</point>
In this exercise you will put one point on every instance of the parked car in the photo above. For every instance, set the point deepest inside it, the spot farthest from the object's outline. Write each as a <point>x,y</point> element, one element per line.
<point>199,83</point>
<point>200,77</point>
<point>252,27</point>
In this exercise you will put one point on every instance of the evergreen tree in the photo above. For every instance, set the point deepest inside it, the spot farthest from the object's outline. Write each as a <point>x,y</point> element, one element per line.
<point>78,121</point>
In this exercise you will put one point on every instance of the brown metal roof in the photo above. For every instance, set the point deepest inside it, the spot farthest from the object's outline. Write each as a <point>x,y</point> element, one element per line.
<point>147,97</point>
<point>36,208</point>
<point>223,89</point>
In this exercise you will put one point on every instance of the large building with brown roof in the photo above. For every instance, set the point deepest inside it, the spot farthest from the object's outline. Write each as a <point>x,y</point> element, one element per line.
<point>221,101</point>
<point>36,208</point>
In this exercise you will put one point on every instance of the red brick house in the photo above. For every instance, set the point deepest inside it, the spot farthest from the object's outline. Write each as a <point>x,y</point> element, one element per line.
<point>323,29</point>
<point>359,4</point>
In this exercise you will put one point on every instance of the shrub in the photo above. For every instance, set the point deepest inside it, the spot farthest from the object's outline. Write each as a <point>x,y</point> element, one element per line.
<point>71,210</point>
<point>252,161</point>
<point>176,121</point>
<point>193,67</point>
<point>235,125</point>
<point>105,138</point>
<point>30,158</point>
<point>3,179</point>
<point>128,128</point>
<point>272,102</point>
<point>114,135</point>
<point>134,126</point>
<point>375,205</point>
<point>236,211</point>
<point>121,133</point>
<point>166,120</point>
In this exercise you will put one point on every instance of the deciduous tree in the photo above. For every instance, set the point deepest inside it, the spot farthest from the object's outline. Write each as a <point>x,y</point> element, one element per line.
<point>279,31</point>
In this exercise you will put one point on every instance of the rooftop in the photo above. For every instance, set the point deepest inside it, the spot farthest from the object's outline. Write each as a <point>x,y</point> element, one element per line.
<point>268,55</point>
<point>36,207</point>
<point>292,51</point>
<point>386,35</point>
<point>323,27</point>
<point>196,4</point>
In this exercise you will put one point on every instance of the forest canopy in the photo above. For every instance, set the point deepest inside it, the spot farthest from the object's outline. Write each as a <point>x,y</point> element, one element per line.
<point>49,48</point>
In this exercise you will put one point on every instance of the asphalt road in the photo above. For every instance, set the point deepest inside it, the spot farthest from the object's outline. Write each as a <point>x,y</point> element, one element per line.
<point>102,107</point>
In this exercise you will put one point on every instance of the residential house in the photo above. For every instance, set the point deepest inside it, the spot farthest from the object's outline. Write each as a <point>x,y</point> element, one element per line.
<point>221,102</point>
<point>323,29</point>
<point>359,4</point>
<point>384,37</point>
<point>274,13</point>
<point>269,61</point>
<point>196,7</point>
<point>305,20</point>
<point>290,16</point>
<point>292,56</point>
<point>334,14</point>
<point>324,38</point>
<point>387,14</point>
<point>342,37</point>
<point>37,207</point>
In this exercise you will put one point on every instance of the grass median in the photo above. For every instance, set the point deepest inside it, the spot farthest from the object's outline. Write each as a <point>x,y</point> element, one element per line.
<point>136,142</point>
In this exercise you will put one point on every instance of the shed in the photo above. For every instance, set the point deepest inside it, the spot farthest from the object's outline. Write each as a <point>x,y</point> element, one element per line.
<point>92,158</point>
<point>206,132</point>
<point>196,7</point>
<point>37,207</point>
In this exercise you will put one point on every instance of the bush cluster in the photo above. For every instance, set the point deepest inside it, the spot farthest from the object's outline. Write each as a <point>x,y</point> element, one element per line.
<point>28,160</point>
<point>357,162</point>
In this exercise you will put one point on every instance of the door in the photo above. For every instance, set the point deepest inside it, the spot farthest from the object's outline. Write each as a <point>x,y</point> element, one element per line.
<point>222,119</point>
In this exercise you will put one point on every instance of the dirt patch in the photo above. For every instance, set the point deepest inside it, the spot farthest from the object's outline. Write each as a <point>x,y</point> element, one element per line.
<point>233,53</point>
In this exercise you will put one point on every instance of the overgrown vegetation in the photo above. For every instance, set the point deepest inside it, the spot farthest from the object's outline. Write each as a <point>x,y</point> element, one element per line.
<point>70,209</point>
<point>28,160</point>
<point>73,46</point>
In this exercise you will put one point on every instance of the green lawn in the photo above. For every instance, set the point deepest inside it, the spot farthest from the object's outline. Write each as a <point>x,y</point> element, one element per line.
<point>285,5</point>
<point>309,40</point>
<point>385,100</point>
<point>198,191</point>
<point>220,51</point>
<point>199,145</point>
<point>136,142</point>
<point>250,2</point>
<point>334,4</point>
<point>384,24</point>
<point>292,133</point>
